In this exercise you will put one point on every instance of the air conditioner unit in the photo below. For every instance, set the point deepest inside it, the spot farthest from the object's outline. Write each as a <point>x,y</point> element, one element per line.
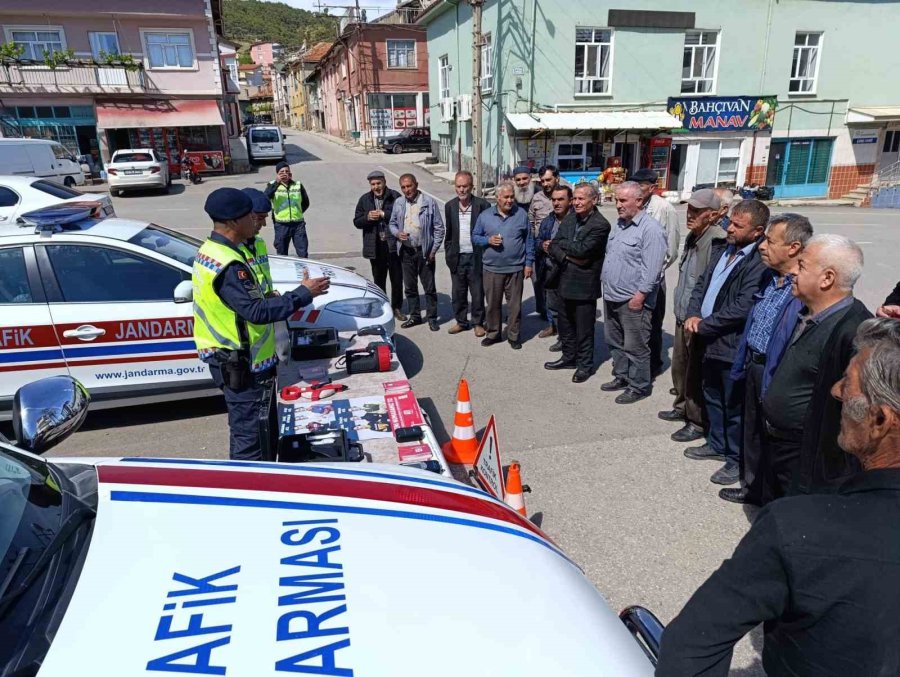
<point>447,110</point>
<point>464,107</point>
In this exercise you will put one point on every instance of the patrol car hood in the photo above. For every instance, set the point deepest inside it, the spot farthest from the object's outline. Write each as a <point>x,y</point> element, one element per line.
<point>215,567</point>
<point>286,270</point>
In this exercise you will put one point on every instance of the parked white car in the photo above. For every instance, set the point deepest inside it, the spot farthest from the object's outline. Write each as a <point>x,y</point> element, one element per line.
<point>139,566</point>
<point>137,168</point>
<point>21,194</point>
<point>40,158</point>
<point>265,142</point>
<point>108,301</point>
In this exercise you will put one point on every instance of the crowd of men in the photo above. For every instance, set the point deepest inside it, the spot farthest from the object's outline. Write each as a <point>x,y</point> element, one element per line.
<point>764,309</point>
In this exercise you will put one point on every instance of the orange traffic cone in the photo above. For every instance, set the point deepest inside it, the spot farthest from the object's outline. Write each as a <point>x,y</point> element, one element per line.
<point>515,498</point>
<point>462,447</point>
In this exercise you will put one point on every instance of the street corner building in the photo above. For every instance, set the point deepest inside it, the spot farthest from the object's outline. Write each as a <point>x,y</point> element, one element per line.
<point>775,94</point>
<point>106,75</point>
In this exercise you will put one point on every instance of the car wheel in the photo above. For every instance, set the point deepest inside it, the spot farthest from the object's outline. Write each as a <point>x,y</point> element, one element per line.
<point>397,149</point>
<point>68,182</point>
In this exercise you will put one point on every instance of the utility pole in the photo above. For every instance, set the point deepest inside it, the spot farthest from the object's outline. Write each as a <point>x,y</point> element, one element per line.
<point>476,91</point>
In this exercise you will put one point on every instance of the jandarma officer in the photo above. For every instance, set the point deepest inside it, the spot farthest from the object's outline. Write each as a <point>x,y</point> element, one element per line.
<point>233,320</point>
<point>257,252</point>
<point>289,202</point>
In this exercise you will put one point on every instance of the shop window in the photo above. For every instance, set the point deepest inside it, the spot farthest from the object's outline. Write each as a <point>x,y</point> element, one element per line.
<point>401,53</point>
<point>25,112</point>
<point>169,49</point>
<point>805,64</point>
<point>718,162</point>
<point>487,64</point>
<point>570,157</point>
<point>698,66</point>
<point>392,111</point>
<point>891,141</point>
<point>43,112</point>
<point>35,42</point>
<point>593,60</point>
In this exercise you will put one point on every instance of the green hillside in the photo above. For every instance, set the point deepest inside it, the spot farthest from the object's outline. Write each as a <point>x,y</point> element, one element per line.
<point>248,21</point>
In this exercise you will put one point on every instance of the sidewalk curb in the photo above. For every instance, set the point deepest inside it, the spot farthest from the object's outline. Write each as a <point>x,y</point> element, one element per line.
<point>349,145</point>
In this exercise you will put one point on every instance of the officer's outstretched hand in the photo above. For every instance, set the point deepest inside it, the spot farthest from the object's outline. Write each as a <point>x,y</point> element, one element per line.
<point>316,285</point>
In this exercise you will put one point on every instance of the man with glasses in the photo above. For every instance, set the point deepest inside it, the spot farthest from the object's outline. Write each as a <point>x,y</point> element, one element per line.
<point>289,203</point>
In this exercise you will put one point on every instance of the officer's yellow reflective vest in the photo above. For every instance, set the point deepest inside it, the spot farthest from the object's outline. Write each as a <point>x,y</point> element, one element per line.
<point>287,203</point>
<point>258,259</point>
<point>216,326</point>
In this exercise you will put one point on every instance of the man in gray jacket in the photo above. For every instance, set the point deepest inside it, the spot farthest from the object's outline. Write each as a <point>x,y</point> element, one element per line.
<point>705,236</point>
<point>417,226</point>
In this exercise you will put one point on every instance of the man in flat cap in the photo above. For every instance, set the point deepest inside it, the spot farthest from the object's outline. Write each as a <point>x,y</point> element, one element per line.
<point>289,203</point>
<point>232,322</point>
<point>372,216</point>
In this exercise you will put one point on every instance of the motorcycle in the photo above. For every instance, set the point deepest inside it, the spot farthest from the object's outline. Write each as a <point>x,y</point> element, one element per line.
<point>188,173</point>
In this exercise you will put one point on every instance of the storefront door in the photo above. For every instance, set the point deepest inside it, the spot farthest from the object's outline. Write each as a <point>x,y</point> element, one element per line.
<point>800,167</point>
<point>890,149</point>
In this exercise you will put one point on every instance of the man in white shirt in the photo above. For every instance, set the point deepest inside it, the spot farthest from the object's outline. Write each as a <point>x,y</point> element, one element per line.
<point>662,210</point>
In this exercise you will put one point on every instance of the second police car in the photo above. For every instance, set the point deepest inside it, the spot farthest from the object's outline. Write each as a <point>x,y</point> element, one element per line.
<point>108,301</point>
<point>147,566</point>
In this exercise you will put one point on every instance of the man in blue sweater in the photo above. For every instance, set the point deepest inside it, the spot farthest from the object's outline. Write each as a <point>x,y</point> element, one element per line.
<point>508,259</point>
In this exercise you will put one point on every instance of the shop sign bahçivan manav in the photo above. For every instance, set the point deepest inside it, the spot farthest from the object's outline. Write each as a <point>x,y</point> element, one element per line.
<point>724,113</point>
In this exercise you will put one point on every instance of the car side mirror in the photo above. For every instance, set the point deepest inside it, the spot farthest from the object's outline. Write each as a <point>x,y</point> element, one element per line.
<point>184,292</point>
<point>47,411</point>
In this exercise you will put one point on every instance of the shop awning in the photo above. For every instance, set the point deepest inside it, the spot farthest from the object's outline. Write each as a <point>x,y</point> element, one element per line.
<point>171,113</point>
<point>873,114</point>
<point>586,121</point>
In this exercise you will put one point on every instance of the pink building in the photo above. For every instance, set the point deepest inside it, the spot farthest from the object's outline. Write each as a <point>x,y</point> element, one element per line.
<point>120,75</point>
<point>265,54</point>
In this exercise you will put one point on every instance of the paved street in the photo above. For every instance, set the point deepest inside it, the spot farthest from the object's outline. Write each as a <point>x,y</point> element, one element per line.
<point>608,484</point>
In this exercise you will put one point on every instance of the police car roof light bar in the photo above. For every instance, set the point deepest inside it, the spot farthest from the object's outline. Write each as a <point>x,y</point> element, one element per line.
<point>62,216</point>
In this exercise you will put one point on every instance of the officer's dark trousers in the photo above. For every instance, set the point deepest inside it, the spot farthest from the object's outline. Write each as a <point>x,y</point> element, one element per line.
<point>294,231</point>
<point>252,433</point>
<point>386,264</point>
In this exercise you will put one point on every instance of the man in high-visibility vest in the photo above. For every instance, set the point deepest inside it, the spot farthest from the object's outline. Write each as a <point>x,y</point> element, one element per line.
<point>289,202</point>
<point>257,252</point>
<point>233,323</point>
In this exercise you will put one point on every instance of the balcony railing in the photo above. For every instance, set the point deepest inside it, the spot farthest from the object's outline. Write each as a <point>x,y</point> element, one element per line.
<point>16,77</point>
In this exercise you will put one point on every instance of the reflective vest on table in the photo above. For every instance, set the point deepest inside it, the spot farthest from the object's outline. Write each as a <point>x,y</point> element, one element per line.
<point>258,260</point>
<point>287,203</point>
<point>216,326</point>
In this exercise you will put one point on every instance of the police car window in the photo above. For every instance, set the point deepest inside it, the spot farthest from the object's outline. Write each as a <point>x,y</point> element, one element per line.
<point>168,243</point>
<point>56,190</point>
<point>14,287</point>
<point>88,274</point>
<point>8,198</point>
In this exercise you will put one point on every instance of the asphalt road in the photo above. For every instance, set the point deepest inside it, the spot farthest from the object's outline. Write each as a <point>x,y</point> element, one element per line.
<point>607,483</point>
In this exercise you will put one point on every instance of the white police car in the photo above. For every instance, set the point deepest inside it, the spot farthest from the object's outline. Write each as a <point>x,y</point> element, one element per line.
<point>107,301</point>
<point>141,566</point>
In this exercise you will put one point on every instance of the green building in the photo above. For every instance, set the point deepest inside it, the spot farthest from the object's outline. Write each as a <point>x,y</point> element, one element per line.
<point>795,94</point>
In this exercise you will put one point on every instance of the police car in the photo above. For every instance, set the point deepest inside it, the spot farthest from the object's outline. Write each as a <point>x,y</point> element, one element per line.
<point>140,566</point>
<point>108,301</point>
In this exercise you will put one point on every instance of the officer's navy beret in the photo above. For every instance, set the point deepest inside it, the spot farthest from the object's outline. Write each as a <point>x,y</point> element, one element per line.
<point>281,165</point>
<point>227,204</point>
<point>261,204</point>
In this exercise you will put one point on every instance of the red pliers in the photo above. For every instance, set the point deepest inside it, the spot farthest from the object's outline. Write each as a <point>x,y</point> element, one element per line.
<point>318,390</point>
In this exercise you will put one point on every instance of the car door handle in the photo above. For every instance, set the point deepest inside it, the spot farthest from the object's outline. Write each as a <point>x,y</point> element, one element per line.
<point>85,332</point>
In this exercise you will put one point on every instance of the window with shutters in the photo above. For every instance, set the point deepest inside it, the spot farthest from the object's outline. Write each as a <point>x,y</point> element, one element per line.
<point>698,66</point>
<point>805,64</point>
<point>593,60</point>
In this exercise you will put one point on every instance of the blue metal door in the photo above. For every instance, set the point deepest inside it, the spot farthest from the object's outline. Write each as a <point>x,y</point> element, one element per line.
<point>801,167</point>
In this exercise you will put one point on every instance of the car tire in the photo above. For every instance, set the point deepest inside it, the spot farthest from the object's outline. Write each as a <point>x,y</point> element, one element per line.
<point>396,149</point>
<point>68,182</point>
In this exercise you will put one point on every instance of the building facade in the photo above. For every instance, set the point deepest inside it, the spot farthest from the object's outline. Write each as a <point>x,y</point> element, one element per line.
<point>300,67</point>
<point>373,81</point>
<point>97,78</point>
<point>775,93</point>
<point>266,54</point>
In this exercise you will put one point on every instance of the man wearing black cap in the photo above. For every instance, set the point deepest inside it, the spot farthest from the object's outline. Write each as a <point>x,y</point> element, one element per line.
<point>289,203</point>
<point>372,216</point>
<point>663,211</point>
<point>232,322</point>
<point>525,188</point>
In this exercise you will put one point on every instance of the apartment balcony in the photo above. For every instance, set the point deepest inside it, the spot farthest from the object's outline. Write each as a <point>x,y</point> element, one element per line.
<point>77,78</point>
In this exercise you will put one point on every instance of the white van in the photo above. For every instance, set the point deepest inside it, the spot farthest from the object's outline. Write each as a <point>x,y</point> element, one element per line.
<point>41,158</point>
<point>265,142</point>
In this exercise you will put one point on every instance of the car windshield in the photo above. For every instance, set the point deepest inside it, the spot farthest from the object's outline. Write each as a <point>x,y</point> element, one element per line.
<point>132,157</point>
<point>406,133</point>
<point>168,243</point>
<point>56,190</point>
<point>264,136</point>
